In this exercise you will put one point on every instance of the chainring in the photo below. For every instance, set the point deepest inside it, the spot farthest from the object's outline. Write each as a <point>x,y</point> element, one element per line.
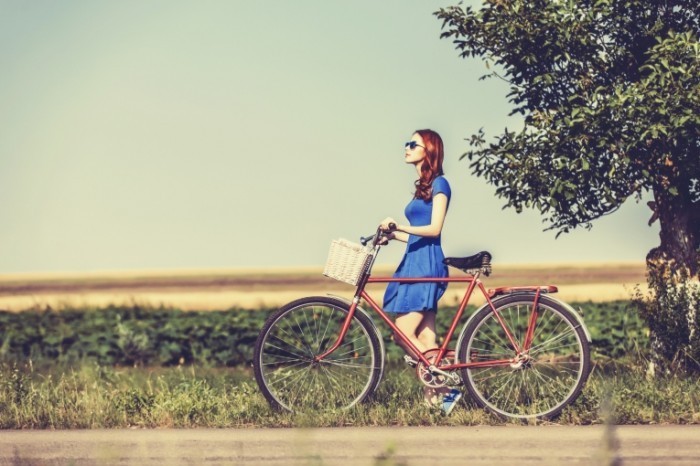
<point>430,379</point>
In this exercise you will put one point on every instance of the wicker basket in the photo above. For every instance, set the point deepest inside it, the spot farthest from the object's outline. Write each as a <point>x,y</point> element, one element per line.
<point>346,261</point>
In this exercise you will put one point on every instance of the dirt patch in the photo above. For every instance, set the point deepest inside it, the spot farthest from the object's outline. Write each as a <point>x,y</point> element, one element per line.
<point>207,290</point>
<point>459,445</point>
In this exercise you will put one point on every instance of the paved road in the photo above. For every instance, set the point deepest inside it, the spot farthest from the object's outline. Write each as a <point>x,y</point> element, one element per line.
<point>541,445</point>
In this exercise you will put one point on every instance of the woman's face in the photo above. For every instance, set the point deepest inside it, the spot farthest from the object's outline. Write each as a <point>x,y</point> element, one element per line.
<point>415,149</point>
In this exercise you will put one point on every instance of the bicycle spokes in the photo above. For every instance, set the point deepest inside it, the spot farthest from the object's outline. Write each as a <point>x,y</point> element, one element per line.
<point>535,382</point>
<point>289,373</point>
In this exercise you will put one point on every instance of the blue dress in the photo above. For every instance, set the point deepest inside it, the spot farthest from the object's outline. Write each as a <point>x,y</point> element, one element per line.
<point>423,258</point>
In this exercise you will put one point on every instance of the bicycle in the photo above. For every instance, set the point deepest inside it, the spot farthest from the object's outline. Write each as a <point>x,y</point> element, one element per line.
<point>523,354</point>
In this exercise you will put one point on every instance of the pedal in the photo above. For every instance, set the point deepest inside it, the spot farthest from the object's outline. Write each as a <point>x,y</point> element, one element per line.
<point>409,360</point>
<point>456,382</point>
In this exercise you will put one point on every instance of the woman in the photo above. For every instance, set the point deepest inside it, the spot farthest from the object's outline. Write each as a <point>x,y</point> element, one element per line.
<point>415,304</point>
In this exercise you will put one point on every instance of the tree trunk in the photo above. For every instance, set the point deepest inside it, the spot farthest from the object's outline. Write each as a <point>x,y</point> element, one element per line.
<point>680,235</point>
<point>672,274</point>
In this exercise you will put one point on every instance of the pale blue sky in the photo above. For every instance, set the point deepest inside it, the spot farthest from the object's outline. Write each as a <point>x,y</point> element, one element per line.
<point>180,134</point>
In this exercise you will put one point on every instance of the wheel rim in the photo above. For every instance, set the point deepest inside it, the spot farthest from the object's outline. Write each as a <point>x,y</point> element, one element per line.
<point>291,376</point>
<point>536,384</point>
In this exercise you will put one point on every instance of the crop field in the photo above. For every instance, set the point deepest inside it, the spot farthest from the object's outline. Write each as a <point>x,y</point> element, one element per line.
<point>143,336</point>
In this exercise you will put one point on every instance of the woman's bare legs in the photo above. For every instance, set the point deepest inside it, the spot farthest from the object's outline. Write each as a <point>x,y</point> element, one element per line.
<point>426,330</point>
<point>409,323</point>
<point>419,327</point>
<point>427,335</point>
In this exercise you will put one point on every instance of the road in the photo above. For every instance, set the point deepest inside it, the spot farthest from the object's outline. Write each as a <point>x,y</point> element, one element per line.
<point>480,445</point>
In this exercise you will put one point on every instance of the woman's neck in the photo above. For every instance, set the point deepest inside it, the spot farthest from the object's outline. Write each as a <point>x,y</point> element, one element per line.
<point>419,165</point>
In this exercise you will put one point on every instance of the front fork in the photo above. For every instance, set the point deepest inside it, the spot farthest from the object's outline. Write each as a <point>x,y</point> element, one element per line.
<point>353,306</point>
<point>343,330</point>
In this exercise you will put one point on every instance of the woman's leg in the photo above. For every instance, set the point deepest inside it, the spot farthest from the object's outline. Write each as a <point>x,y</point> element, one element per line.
<point>426,330</point>
<point>409,323</point>
<point>419,327</point>
<point>427,336</point>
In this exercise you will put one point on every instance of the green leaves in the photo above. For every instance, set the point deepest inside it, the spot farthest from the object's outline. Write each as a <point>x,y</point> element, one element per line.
<point>610,94</point>
<point>132,336</point>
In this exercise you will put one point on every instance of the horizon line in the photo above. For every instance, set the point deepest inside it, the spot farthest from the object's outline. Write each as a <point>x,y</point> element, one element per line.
<point>185,271</point>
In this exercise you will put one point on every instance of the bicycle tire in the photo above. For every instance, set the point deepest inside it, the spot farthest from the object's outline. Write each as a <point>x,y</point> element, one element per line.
<point>283,361</point>
<point>543,382</point>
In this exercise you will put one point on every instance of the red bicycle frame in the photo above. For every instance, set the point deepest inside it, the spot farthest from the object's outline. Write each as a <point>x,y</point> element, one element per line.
<point>474,282</point>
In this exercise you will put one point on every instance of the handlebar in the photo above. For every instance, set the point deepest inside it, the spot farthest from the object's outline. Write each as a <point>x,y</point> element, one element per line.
<point>378,235</point>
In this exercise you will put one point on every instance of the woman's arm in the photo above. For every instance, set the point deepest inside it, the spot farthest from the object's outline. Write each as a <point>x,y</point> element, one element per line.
<point>394,234</point>
<point>437,220</point>
<point>399,235</point>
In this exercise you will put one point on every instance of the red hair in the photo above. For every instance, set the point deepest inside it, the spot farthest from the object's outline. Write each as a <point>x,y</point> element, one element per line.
<point>432,163</point>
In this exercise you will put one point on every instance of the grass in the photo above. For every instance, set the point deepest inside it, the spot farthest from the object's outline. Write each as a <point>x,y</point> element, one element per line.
<point>93,396</point>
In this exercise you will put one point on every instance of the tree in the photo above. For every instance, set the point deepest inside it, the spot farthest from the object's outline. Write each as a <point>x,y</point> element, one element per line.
<point>609,92</point>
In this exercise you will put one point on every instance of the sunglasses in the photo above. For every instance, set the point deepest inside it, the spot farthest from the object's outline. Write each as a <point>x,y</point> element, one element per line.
<point>412,145</point>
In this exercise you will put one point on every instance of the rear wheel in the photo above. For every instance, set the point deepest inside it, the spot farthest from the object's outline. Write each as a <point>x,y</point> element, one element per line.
<point>285,369</point>
<point>537,383</point>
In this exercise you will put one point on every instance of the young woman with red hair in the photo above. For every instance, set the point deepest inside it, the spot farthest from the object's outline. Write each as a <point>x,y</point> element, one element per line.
<point>415,304</point>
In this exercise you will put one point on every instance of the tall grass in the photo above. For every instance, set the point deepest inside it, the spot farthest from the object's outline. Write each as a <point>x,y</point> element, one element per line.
<point>93,396</point>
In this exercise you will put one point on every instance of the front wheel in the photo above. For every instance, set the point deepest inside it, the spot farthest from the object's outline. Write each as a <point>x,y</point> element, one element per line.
<point>285,369</point>
<point>535,383</point>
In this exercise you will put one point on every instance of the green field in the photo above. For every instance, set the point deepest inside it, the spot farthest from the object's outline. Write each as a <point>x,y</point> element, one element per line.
<point>158,367</point>
<point>145,336</point>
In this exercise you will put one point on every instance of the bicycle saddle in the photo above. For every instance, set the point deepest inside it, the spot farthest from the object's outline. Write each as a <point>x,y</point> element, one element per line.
<point>479,261</point>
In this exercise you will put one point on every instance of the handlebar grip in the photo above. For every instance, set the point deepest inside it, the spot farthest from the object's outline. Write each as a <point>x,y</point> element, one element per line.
<point>366,239</point>
<point>392,226</point>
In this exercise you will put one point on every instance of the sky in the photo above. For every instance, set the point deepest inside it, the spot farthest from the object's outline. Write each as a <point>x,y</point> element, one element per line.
<point>241,134</point>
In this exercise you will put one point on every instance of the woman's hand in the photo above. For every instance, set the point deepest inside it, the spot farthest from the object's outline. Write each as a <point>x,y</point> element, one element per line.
<point>395,231</point>
<point>384,239</point>
<point>386,222</point>
<point>386,236</point>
